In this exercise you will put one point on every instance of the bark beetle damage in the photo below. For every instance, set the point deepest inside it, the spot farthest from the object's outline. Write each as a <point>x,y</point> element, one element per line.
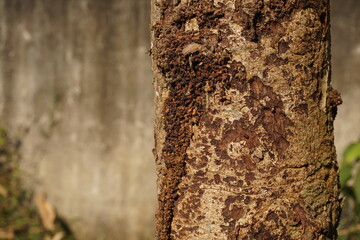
<point>190,75</point>
<point>334,100</point>
<point>193,66</point>
<point>194,51</point>
<point>253,14</point>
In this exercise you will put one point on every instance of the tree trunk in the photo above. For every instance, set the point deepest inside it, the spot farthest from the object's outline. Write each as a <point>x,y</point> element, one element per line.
<point>244,120</point>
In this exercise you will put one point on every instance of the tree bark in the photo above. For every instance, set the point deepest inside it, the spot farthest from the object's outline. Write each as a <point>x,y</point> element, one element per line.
<point>244,140</point>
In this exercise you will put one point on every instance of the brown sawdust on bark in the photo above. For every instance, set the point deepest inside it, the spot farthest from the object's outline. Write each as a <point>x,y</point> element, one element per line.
<point>209,70</point>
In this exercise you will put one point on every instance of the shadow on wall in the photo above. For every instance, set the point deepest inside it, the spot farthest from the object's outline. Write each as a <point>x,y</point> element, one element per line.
<point>76,88</point>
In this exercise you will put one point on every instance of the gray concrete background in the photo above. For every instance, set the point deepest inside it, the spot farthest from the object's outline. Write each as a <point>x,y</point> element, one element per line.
<point>346,70</point>
<point>75,88</point>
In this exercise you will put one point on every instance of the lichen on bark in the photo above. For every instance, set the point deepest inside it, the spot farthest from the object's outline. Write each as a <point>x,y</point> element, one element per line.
<point>244,120</point>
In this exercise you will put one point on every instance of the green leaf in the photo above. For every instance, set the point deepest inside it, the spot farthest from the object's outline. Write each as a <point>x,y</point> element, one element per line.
<point>352,152</point>
<point>345,173</point>
<point>357,188</point>
<point>342,237</point>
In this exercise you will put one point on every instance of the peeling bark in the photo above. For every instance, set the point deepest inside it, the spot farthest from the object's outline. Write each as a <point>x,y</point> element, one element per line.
<point>244,120</point>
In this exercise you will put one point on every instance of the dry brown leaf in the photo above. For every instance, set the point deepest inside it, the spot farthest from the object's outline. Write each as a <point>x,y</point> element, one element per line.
<point>6,234</point>
<point>3,191</point>
<point>58,236</point>
<point>47,237</point>
<point>47,212</point>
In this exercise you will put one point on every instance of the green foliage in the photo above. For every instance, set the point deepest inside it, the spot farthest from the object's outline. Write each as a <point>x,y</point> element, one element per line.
<point>352,153</point>
<point>349,228</point>
<point>18,218</point>
<point>345,173</point>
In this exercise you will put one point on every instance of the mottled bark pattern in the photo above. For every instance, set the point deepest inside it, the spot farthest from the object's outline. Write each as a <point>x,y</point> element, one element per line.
<point>244,120</point>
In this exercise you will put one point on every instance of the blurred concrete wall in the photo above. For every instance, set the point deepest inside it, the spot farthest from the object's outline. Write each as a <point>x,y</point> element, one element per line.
<point>345,22</point>
<point>75,87</point>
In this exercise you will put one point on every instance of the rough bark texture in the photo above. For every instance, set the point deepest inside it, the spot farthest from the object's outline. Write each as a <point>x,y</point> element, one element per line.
<point>244,120</point>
